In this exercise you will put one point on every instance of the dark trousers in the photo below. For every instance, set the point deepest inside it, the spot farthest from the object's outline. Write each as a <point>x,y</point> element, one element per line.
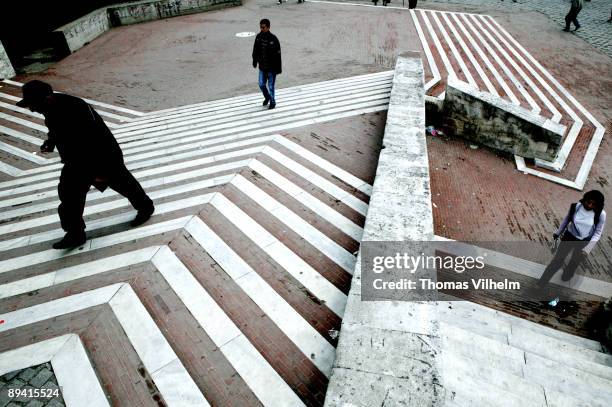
<point>571,246</point>
<point>75,183</point>
<point>572,17</point>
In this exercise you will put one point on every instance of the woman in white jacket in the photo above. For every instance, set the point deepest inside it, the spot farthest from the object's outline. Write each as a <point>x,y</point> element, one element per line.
<point>580,231</point>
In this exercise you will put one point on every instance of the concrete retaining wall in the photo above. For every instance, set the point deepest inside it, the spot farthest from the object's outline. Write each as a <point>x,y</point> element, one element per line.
<point>84,30</point>
<point>487,119</point>
<point>6,68</point>
<point>387,350</point>
<point>138,12</point>
<point>76,34</point>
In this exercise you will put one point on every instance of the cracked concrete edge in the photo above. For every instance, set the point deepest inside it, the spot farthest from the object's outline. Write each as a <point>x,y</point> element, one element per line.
<point>6,68</point>
<point>388,351</point>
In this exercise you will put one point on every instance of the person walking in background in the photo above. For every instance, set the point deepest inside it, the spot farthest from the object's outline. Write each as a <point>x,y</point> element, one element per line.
<point>267,54</point>
<point>572,15</point>
<point>580,231</point>
<point>90,154</point>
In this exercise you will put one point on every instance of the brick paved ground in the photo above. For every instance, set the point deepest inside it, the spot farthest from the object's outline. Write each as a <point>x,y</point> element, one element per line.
<point>35,377</point>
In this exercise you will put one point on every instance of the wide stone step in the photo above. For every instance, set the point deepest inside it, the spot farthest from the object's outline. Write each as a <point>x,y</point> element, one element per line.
<point>482,351</point>
<point>496,323</point>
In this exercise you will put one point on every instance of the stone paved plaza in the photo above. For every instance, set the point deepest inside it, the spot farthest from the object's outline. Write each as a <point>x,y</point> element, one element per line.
<point>244,288</point>
<point>596,29</point>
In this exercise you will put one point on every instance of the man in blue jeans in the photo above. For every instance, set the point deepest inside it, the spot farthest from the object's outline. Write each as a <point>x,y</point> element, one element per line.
<point>572,15</point>
<point>267,54</point>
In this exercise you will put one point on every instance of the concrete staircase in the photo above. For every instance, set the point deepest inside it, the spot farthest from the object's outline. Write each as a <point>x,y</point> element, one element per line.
<point>491,358</point>
<point>244,216</point>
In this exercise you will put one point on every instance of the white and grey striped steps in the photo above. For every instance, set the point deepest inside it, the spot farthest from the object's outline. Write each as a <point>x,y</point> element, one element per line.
<point>189,169</point>
<point>479,51</point>
<point>171,130</point>
<point>189,176</point>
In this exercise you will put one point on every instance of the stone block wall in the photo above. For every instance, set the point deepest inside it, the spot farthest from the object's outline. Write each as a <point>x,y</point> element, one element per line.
<point>387,350</point>
<point>489,120</point>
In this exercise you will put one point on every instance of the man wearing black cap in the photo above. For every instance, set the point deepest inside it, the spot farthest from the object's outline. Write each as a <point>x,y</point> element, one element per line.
<point>90,154</point>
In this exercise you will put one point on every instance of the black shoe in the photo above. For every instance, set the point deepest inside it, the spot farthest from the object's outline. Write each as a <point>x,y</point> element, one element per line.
<point>142,216</point>
<point>566,29</point>
<point>577,27</point>
<point>272,105</point>
<point>70,241</point>
<point>265,102</point>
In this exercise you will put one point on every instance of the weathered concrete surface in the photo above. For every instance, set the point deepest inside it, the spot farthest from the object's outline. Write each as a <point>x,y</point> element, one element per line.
<point>490,120</point>
<point>387,350</point>
<point>6,68</point>
<point>89,27</point>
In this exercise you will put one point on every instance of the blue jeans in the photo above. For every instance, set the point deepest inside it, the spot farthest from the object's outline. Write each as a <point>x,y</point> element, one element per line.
<point>270,78</point>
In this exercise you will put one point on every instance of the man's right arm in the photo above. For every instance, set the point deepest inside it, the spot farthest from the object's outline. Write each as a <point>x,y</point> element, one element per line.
<point>254,54</point>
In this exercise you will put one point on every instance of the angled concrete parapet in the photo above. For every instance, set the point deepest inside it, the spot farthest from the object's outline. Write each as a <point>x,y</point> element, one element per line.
<point>81,31</point>
<point>488,119</point>
<point>387,350</point>
<point>6,68</point>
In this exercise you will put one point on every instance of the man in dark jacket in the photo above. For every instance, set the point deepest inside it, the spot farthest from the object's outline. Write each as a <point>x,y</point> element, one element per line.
<point>572,15</point>
<point>267,53</point>
<point>90,154</point>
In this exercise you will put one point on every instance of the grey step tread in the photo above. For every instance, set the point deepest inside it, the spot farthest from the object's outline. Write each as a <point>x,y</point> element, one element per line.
<point>467,391</point>
<point>558,399</point>
<point>555,349</point>
<point>557,378</point>
<point>527,340</point>
<point>453,364</point>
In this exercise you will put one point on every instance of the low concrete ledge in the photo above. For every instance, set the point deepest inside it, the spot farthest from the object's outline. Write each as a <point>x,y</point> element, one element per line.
<point>489,120</point>
<point>76,34</point>
<point>387,351</point>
